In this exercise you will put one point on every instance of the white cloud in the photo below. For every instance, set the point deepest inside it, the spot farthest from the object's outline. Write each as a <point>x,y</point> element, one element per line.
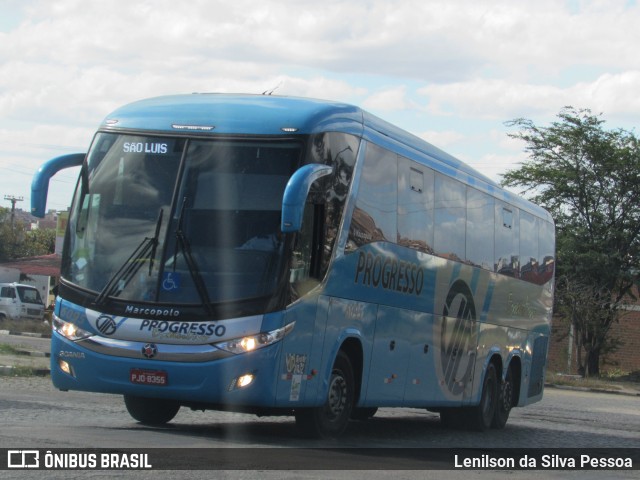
<point>443,139</point>
<point>615,94</point>
<point>433,40</point>
<point>65,64</point>
<point>155,46</point>
<point>391,99</point>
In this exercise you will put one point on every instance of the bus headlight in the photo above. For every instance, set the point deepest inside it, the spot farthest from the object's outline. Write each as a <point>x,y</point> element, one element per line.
<point>254,342</point>
<point>69,330</point>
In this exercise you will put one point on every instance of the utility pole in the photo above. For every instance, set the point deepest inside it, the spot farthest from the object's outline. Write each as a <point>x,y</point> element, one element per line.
<point>13,201</point>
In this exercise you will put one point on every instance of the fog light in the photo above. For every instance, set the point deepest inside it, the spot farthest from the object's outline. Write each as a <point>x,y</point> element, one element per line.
<point>65,367</point>
<point>244,380</point>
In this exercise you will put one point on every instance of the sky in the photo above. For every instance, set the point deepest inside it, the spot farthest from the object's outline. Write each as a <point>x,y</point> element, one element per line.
<point>450,71</point>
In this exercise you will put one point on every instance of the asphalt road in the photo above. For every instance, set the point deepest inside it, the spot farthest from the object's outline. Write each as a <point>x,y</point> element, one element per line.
<point>30,341</point>
<point>34,415</point>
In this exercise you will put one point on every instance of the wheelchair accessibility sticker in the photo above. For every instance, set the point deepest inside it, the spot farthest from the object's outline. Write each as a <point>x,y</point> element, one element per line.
<point>170,281</point>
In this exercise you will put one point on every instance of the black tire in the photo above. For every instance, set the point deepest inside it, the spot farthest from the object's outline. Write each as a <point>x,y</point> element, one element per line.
<point>363,413</point>
<point>505,401</point>
<point>151,411</point>
<point>481,416</point>
<point>331,419</point>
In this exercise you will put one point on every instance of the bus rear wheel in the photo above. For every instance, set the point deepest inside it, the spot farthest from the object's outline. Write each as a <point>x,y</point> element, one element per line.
<point>151,411</point>
<point>505,401</point>
<point>331,419</point>
<point>480,417</point>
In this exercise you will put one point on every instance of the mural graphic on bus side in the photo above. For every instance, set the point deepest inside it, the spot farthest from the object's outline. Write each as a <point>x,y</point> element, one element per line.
<point>458,337</point>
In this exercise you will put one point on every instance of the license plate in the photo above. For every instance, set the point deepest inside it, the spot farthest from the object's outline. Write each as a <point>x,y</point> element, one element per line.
<point>148,377</point>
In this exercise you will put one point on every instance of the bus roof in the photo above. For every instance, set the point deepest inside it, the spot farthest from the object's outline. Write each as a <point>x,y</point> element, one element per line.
<point>235,114</point>
<point>246,114</point>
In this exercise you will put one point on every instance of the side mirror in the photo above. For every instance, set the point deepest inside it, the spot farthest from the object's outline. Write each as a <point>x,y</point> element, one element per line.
<point>295,195</point>
<point>40,182</point>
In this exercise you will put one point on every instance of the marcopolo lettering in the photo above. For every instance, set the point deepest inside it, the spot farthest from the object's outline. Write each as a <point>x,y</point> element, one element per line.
<point>184,328</point>
<point>152,312</point>
<point>381,271</point>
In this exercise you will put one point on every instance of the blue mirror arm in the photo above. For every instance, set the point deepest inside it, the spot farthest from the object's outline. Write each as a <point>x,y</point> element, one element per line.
<point>40,182</point>
<point>295,195</point>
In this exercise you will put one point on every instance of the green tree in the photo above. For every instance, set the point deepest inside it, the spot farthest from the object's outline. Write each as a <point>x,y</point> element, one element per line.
<point>17,242</point>
<point>9,237</point>
<point>37,242</point>
<point>589,180</point>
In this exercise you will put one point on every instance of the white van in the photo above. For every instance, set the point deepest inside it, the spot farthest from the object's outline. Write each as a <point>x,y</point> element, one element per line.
<point>19,301</point>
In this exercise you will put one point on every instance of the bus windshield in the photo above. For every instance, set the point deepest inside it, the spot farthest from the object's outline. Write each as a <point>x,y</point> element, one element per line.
<point>179,221</point>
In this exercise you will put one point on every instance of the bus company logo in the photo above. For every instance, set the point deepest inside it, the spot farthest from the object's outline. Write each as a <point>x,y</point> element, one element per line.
<point>23,459</point>
<point>458,337</point>
<point>150,350</point>
<point>106,325</point>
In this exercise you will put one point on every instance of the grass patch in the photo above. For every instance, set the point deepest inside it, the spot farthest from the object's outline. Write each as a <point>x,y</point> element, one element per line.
<point>578,381</point>
<point>7,349</point>
<point>574,380</point>
<point>619,375</point>
<point>30,326</point>
<point>23,371</point>
<point>26,371</point>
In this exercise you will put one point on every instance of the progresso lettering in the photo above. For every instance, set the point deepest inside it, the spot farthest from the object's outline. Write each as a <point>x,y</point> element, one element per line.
<point>183,328</point>
<point>389,273</point>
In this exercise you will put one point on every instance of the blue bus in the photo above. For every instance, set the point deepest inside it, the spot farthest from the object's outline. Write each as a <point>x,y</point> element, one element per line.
<point>289,256</point>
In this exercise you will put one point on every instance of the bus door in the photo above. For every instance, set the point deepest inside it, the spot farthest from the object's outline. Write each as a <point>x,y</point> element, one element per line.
<point>422,379</point>
<point>390,356</point>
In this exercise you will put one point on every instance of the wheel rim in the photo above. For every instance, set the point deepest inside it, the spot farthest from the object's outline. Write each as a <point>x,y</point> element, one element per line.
<point>507,395</point>
<point>337,400</point>
<point>488,407</point>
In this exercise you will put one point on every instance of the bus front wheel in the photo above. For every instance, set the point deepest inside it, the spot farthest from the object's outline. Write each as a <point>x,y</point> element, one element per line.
<point>151,411</point>
<point>331,419</point>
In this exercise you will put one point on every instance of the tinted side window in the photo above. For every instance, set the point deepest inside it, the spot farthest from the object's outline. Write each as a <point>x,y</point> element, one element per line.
<point>528,247</point>
<point>507,232</point>
<point>374,217</point>
<point>415,206</point>
<point>315,243</point>
<point>546,250</point>
<point>480,231</point>
<point>450,218</point>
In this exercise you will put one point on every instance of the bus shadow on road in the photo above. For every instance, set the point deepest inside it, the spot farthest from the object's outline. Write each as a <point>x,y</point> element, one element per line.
<point>424,429</point>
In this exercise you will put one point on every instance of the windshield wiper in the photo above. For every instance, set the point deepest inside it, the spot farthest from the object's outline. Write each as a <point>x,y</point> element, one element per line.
<point>194,270</point>
<point>154,247</point>
<point>145,251</point>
